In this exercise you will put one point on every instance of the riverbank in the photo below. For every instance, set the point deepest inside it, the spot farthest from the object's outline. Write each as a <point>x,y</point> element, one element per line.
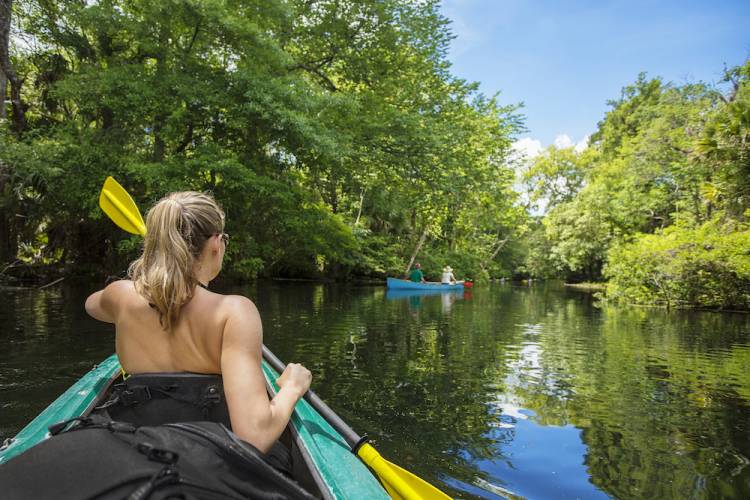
<point>20,275</point>
<point>587,286</point>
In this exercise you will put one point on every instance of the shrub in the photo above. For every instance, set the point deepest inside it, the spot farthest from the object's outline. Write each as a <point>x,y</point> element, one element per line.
<point>705,266</point>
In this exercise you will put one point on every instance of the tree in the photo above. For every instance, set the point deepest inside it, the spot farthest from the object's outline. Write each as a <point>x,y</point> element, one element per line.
<point>558,174</point>
<point>333,132</point>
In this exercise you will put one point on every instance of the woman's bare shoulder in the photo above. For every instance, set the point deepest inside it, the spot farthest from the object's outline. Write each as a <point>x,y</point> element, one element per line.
<point>241,321</point>
<point>120,290</point>
<point>121,286</point>
<point>238,305</point>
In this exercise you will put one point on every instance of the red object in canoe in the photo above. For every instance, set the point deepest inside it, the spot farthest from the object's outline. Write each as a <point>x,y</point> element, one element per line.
<point>468,284</point>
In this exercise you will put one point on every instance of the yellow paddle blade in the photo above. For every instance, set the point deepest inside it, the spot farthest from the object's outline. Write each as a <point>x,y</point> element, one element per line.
<point>120,207</point>
<point>399,483</point>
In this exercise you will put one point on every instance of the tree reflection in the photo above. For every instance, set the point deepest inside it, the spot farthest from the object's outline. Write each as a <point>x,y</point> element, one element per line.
<point>635,402</point>
<point>662,399</point>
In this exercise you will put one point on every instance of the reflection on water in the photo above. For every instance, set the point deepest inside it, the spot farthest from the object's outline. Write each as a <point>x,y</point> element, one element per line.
<point>497,392</point>
<point>415,297</point>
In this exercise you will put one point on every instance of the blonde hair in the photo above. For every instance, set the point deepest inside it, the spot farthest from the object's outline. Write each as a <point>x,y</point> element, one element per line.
<point>177,229</point>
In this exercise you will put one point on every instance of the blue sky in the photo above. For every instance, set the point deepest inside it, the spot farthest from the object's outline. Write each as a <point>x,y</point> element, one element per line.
<point>565,59</point>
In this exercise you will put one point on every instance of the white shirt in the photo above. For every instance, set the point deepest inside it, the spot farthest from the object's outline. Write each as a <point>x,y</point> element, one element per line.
<point>448,278</point>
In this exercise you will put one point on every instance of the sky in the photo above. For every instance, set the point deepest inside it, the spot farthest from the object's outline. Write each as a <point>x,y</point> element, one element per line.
<point>565,59</point>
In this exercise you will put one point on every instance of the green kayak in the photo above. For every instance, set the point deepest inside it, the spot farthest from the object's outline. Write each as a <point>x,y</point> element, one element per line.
<point>329,465</point>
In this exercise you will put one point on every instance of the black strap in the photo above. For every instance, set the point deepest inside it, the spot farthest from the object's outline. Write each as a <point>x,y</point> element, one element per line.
<point>60,427</point>
<point>95,422</point>
<point>167,475</point>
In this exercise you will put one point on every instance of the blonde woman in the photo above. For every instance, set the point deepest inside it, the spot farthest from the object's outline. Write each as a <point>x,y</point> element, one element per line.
<point>166,320</point>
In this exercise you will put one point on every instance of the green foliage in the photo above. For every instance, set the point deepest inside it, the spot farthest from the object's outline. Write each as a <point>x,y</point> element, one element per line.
<point>537,253</point>
<point>558,174</point>
<point>725,146</point>
<point>668,163</point>
<point>333,133</point>
<point>708,265</point>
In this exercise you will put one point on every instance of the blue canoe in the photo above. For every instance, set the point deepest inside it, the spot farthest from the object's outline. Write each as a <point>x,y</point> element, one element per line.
<point>396,284</point>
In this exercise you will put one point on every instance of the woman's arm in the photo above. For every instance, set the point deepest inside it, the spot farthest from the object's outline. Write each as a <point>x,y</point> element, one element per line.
<point>254,418</point>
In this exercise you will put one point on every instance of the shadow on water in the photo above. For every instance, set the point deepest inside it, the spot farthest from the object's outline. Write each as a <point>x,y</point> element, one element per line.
<point>500,392</point>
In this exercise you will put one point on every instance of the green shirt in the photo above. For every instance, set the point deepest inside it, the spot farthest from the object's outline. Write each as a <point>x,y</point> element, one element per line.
<point>416,276</point>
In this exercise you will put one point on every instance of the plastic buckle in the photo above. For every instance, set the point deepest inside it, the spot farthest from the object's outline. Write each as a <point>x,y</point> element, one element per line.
<point>213,395</point>
<point>115,426</point>
<point>137,394</point>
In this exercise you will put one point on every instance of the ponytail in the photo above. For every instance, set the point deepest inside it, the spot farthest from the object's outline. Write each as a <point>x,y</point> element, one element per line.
<point>177,228</point>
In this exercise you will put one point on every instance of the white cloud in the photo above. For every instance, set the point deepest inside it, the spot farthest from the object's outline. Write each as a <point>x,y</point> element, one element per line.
<point>582,144</point>
<point>527,147</point>
<point>563,141</point>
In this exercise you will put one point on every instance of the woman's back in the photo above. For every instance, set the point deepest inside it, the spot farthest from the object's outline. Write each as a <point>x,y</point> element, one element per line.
<point>192,345</point>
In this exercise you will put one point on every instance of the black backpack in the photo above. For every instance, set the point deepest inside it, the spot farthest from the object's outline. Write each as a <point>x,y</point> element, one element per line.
<point>94,458</point>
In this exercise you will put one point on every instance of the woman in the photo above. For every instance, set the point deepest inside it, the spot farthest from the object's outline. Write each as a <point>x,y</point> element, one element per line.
<point>166,320</point>
<point>448,278</point>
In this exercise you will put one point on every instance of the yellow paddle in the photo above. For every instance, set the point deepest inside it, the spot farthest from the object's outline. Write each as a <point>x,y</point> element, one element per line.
<point>120,207</point>
<point>399,483</point>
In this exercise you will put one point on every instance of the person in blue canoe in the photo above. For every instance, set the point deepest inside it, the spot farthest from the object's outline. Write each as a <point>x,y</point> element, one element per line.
<point>416,274</point>
<point>167,321</point>
<point>448,278</point>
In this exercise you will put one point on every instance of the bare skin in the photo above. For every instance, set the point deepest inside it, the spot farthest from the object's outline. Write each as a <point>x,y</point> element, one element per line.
<point>217,334</point>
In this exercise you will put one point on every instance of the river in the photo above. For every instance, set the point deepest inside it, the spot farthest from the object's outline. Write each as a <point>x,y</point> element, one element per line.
<point>503,391</point>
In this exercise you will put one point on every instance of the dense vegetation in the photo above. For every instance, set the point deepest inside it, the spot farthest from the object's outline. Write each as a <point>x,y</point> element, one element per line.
<point>340,144</point>
<point>658,204</point>
<point>333,133</point>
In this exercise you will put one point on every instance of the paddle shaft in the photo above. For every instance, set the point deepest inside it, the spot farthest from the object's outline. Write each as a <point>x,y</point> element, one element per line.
<point>351,437</point>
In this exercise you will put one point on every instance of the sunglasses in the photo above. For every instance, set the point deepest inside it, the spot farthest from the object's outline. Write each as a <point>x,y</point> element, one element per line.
<point>225,238</point>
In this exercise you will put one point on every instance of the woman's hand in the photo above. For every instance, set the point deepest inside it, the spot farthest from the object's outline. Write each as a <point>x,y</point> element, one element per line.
<point>295,377</point>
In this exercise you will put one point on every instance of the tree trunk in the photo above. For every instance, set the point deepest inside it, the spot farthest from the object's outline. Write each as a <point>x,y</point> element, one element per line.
<point>500,245</point>
<point>334,195</point>
<point>5,15</point>
<point>361,204</point>
<point>3,93</point>
<point>6,11</point>
<point>7,74</point>
<point>416,250</point>
<point>19,114</point>
<point>8,240</point>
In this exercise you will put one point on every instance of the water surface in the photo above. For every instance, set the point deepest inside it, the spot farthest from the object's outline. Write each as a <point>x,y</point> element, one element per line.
<point>499,392</point>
